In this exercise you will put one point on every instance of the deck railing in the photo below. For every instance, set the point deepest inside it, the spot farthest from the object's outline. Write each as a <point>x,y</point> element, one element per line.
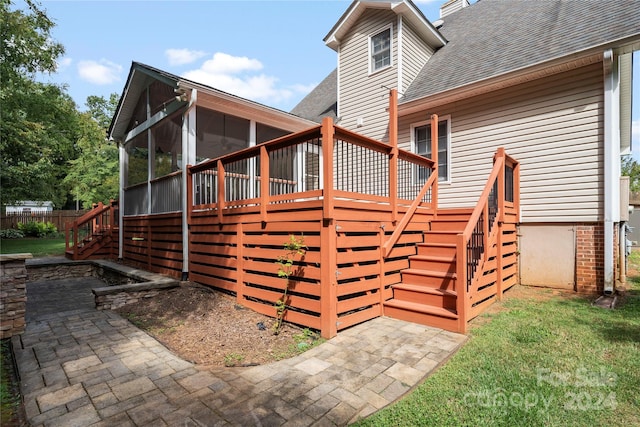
<point>136,199</point>
<point>99,223</point>
<point>500,193</point>
<point>323,163</point>
<point>166,193</point>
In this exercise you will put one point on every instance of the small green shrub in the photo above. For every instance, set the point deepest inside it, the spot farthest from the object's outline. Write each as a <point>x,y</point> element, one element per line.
<point>232,359</point>
<point>37,228</point>
<point>11,233</point>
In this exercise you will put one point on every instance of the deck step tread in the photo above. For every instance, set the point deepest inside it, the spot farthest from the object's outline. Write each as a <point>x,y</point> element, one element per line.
<point>421,308</point>
<point>425,289</point>
<point>437,245</point>
<point>432,258</point>
<point>430,273</point>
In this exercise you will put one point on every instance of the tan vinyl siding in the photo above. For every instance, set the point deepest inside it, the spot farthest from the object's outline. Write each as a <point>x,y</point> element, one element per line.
<point>415,53</point>
<point>553,126</point>
<point>363,95</point>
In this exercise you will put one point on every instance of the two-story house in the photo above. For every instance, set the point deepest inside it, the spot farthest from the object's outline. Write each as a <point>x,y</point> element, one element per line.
<point>409,206</point>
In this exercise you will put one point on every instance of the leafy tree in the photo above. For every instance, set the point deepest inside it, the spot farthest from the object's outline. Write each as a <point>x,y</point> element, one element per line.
<point>102,110</point>
<point>631,168</point>
<point>93,176</point>
<point>38,121</point>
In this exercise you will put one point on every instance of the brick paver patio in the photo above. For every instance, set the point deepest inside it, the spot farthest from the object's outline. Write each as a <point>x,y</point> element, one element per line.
<point>84,367</point>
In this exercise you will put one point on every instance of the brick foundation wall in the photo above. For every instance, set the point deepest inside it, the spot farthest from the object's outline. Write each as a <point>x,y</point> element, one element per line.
<point>13,294</point>
<point>590,257</point>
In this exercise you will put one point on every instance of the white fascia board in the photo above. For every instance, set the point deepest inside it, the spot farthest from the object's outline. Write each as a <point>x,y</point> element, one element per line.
<point>404,8</point>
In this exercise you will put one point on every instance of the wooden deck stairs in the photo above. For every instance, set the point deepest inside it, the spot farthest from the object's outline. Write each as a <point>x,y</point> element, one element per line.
<point>95,234</point>
<point>427,293</point>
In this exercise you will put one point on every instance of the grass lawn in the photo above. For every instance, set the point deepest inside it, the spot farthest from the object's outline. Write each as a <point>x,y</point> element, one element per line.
<point>539,358</point>
<point>37,247</point>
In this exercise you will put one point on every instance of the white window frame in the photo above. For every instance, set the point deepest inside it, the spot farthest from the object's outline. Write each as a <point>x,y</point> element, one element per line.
<point>370,41</point>
<point>414,148</point>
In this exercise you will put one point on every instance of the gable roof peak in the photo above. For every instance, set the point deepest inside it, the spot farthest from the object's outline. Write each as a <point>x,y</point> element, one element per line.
<point>406,8</point>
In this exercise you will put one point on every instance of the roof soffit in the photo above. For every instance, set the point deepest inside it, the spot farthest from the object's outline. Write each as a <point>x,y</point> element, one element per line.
<point>404,8</point>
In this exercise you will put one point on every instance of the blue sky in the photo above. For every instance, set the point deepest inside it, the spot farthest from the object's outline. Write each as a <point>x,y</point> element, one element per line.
<point>269,51</point>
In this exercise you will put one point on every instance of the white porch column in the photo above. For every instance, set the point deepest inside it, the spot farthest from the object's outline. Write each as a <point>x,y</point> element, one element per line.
<point>124,167</point>
<point>188,158</point>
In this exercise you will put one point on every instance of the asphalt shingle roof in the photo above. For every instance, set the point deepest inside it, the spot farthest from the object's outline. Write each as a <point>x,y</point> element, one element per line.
<point>321,101</point>
<point>494,37</point>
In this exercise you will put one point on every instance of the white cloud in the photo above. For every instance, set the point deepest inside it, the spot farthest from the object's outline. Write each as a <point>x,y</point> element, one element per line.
<point>183,56</point>
<point>238,75</point>
<point>223,63</point>
<point>64,63</point>
<point>101,72</point>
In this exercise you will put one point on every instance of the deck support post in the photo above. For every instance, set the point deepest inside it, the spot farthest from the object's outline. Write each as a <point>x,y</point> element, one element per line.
<point>329,280</point>
<point>393,156</point>
<point>240,263</point>
<point>381,260</point>
<point>149,240</point>
<point>328,132</point>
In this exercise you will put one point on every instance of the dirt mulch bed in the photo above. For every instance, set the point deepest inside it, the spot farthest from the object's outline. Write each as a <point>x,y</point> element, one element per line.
<point>208,327</point>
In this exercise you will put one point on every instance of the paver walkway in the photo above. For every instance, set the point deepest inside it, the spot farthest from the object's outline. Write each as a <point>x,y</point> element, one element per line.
<point>83,367</point>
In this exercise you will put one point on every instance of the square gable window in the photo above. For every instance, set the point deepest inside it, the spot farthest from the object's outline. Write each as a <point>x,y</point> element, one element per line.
<point>380,48</point>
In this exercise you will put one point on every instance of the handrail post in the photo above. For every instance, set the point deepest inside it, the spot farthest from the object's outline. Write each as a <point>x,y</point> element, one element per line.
<point>328,132</point>
<point>66,236</point>
<point>516,190</point>
<point>264,182</point>
<point>393,157</point>
<point>434,157</point>
<point>501,208</point>
<point>461,283</point>
<point>75,240</point>
<point>500,157</point>
<point>220,201</point>
<point>485,229</point>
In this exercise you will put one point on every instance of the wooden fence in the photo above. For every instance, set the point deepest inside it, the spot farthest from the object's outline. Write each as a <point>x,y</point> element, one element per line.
<point>58,218</point>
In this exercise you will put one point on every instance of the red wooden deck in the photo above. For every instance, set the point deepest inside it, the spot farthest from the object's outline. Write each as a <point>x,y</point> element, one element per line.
<point>376,242</point>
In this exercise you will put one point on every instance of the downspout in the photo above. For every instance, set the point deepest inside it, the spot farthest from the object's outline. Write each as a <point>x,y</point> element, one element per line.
<point>188,158</point>
<point>611,164</point>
